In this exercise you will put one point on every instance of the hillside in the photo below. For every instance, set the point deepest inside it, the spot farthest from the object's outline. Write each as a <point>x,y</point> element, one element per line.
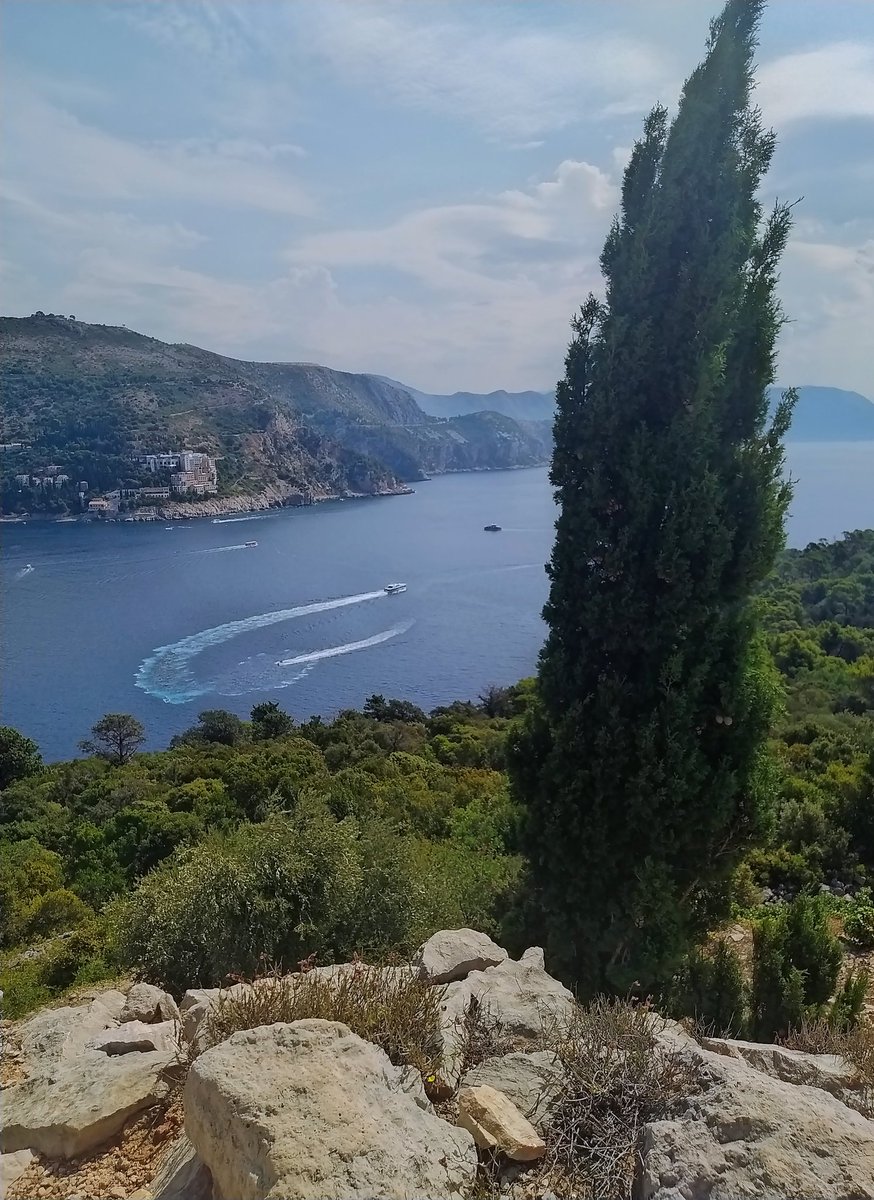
<point>86,398</point>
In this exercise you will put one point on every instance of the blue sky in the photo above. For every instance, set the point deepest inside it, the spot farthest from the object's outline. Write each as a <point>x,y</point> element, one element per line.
<point>412,188</point>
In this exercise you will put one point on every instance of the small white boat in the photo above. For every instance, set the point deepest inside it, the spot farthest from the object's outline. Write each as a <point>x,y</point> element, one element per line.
<point>394,589</point>
<point>251,543</point>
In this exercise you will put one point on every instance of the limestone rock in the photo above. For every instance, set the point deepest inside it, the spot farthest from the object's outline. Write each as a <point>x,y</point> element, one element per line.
<point>73,1104</point>
<point>452,954</point>
<point>743,1133</point>
<point>532,1081</point>
<point>829,1072</point>
<point>12,1167</point>
<point>136,1036</point>
<point>58,1033</point>
<point>180,1175</point>
<point>149,1004</point>
<point>308,1110</point>
<point>496,1124</point>
<point>533,957</point>
<point>521,997</point>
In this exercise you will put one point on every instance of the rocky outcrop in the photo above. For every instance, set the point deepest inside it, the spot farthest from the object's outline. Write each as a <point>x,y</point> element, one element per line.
<point>150,1004</point>
<point>310,1110</point>
<point>452,954</point>
<point>826,1071</point>
<point>74,1096</point>
<point>496,1124</point>
<point>742,1132</point>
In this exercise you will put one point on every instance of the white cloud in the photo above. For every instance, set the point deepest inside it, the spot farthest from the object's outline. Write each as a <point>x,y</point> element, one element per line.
<point>512,79</point>
<point>834,81</point>
<point>53,153</point>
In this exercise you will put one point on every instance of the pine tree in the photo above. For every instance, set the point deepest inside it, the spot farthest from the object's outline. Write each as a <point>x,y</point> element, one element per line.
<point>641,767</point>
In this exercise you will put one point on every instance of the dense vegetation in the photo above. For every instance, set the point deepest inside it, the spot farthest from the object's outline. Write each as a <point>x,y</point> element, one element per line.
<point>368,832</point>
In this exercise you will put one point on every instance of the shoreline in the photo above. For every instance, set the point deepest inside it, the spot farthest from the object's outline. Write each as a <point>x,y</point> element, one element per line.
<point>270,499</point>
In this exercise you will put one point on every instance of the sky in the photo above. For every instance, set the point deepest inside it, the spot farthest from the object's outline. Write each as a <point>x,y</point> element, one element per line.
<point>413,188</point>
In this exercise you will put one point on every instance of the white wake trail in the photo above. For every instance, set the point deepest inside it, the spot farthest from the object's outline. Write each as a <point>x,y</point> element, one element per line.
<point>165,673</point>
<point>348,648</point>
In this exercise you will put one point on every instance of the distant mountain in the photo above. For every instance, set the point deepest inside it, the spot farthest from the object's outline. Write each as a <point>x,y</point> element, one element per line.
<point>87,398</point>
<point>521,406</point>
<point>825,414</point>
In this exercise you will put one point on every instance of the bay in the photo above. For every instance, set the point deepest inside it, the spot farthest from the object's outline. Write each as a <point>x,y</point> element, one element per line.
<point>167,620</point>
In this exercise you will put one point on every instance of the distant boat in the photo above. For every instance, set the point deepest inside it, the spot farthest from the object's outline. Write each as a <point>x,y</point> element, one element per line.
<point>251,543</point>
<point>394,589</point>
<point>492,528</point>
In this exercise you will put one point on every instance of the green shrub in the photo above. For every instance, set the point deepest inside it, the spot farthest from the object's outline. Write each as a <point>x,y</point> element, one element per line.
<point>54,912</point>
<point>796,961</point>
<point>710,987</point>
<point>859,919</point>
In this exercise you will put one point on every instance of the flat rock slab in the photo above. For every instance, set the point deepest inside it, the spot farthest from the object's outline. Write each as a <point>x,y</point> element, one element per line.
<point>308,1111</point>
<point>452,954</point>
<point>180,1175</point>
<point>748,1134</point>
<point>496,1124</point>
<point>77,1104</point>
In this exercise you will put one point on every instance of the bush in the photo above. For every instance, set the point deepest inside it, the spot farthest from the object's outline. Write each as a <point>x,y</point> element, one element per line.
<point>796,961</point>
<point>54,912</point>
<point>617,1078</point>
<point>859,919</point>
<point>390,1006</point>
<point>710,988</point>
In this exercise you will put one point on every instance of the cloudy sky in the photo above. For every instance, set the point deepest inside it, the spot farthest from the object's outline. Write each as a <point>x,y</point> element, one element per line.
<point>413,188</point>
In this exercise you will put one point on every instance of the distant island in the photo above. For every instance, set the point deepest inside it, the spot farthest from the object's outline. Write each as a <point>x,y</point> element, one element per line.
<point>101,419</point>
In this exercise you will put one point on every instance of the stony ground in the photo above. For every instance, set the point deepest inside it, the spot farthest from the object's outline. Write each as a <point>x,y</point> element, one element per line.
<point>114,1171</point>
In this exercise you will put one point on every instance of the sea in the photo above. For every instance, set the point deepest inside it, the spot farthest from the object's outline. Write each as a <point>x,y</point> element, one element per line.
<point>166,619</point>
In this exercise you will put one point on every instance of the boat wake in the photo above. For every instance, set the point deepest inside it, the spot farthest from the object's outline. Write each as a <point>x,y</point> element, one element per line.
<point>222,549</point>
<point>24,571</point>
<point>166,672</point>
<point>233,520</point>
<point>349,647</point>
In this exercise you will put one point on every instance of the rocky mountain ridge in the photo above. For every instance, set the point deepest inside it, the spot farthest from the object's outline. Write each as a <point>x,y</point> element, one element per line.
<point>88,397</point>
<point>521,1090</point>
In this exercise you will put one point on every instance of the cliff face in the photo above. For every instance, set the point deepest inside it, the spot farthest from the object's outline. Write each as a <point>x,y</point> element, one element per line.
<point>89,397</point>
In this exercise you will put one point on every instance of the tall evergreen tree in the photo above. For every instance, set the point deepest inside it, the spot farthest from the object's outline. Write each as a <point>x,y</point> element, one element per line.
<point>641,766</point>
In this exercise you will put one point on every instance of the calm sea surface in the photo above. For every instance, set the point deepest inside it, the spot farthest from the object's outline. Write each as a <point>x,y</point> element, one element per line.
<point>166,621</point>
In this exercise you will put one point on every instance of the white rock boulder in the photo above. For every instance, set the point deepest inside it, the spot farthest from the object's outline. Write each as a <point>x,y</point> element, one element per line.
<point>452,954</point>
<point>12,1167</point>
<point>74,1104</point>
<point>744,1133</point>
<point>496,1124</point>
<point>149,1004</point>
<point>829,1072</point>
<point>137,1037</point>
<point>308,1111</point>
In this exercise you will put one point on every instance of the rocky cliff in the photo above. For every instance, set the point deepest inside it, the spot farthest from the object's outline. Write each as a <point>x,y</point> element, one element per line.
<point>86,398</point>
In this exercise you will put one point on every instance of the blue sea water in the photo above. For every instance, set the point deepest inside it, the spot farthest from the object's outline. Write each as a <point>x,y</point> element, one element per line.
<point>166,621</point>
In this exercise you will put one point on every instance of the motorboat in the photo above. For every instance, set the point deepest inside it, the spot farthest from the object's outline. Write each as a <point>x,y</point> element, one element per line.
<point>394,589</point>
<point>492,528</point>
<point>251,543</point>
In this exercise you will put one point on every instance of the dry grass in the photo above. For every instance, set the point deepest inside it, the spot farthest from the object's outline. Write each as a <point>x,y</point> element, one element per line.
<point>387,1005</point>
<point>855,1046</point>
<point>617,1077</point>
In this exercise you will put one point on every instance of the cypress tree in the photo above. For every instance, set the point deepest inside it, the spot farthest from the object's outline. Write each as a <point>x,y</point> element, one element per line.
<point>641,765</point>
